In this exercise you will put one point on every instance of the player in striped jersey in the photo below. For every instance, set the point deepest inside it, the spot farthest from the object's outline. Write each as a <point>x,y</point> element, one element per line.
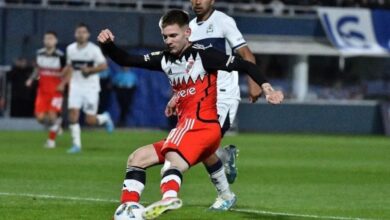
<point>212,28</point>
<point>84,61</point>
<point>48,103</point>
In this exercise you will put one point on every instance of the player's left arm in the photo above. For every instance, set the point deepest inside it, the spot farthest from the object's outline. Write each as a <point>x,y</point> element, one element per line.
<point>239,45</point>
<point>215,60</point>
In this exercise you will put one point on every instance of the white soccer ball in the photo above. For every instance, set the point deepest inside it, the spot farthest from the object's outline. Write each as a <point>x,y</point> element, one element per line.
<point>129,211</point>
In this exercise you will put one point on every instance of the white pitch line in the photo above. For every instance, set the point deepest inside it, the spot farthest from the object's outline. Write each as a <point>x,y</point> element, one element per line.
<point>58,197</point>
<point>285,214</point>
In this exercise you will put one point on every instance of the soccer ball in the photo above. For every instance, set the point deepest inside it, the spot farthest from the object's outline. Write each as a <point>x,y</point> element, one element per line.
<point>129,211</point>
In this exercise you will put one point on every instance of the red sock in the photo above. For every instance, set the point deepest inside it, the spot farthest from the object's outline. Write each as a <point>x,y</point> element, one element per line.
<point>52,135</point>
<point>129,196</point>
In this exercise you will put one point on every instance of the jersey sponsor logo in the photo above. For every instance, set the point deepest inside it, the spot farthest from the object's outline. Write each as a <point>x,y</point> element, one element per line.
<point>49,72</point>
<point>189,65</point>
<point>187,92</point>
<point>78,64</point>
<point>201,46</point>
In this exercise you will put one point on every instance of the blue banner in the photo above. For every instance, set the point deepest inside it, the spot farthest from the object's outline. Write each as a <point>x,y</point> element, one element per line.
<point>357,31</point>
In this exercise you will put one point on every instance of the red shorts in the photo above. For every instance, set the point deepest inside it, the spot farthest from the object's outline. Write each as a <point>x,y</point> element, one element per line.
<point>48,102</point>
<point>194,140</point>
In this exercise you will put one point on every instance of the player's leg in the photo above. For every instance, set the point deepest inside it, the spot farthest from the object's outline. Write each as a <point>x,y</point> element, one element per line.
<point>41,107</point>
<point>90,107</point>
<point>54,125</point>
<point>226,199</point>
<point>173,170</point>
<point>75,130</point>
<point>137,163</point>
<point>75,101</point>
<point>190,142</point>
<point>227,110</point>
<point>41,118</point>
<point>54,119</point>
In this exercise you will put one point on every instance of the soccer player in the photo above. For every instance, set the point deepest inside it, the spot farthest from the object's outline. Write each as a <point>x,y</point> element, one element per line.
<point>213,28</point>
<point>48,103</point>
<point>84,61</point>
<point>192,72</point>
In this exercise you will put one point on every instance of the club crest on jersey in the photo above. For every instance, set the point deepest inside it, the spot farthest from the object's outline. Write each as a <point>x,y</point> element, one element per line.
<point>189,64</point>
<point>184,70</point>
<point>210,29</point>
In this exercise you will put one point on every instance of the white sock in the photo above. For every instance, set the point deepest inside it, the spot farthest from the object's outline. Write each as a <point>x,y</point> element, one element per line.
<point>102,118</point>
<point>220,182</point>
<point>75,132</point>
<point>57,123</point>
<point>222,155</point>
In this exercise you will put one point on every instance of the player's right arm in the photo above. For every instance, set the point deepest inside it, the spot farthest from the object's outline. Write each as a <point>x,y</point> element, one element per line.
<point>151,61</point>
<point>33,76</point>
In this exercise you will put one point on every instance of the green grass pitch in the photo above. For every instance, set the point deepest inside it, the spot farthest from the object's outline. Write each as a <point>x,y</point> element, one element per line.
<point>280,177</point>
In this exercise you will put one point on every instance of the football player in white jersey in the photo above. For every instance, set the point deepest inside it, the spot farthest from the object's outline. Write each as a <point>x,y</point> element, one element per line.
<point>84,61</point>
<point>212,28</point>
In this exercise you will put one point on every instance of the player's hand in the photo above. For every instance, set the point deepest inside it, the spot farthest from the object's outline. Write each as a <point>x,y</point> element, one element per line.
<point>86,71</point>
<point>29,83</point>
<point>170,109</point>
<point>275,97</point>
<point>105,36</point>
<point>60,88</point>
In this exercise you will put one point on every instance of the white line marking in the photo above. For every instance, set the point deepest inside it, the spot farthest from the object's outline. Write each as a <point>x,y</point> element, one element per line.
<point>73,198</point>
<point>285,214</point>
<point>261,212</point>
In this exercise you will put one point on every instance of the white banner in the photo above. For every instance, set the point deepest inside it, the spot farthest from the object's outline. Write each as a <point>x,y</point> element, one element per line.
<point>350,30</point>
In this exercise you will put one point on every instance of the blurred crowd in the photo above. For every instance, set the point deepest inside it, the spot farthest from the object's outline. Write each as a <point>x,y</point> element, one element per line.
<point>272,3</point>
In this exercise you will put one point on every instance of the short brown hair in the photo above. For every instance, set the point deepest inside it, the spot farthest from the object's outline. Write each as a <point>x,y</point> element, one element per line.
<point>175,16</point>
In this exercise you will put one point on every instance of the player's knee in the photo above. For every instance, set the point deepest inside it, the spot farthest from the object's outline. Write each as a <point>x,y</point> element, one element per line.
<point>213,159</point>
<point>73,118</point>
<point>40,118</point>
<point>90,120</point>
<point>140,158</point>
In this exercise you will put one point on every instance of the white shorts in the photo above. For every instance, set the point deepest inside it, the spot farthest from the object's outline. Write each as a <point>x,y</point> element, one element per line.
<point>86,100</point>
<point>227,111</point>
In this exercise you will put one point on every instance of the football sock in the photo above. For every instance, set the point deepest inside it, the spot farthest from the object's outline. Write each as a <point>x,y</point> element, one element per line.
<point>53,129</point>
<point>170,183</point>
<point>133,185</point>
<point>222,155</point>
<point>75,133</point>
<point>102,118</point>
<point>218,178</point>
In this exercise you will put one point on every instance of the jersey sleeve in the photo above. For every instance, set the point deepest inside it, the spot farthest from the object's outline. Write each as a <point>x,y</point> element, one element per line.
<point>214,60</point>
<point>150,61</point>
<point>99,57</point>
<point>232,34</point>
